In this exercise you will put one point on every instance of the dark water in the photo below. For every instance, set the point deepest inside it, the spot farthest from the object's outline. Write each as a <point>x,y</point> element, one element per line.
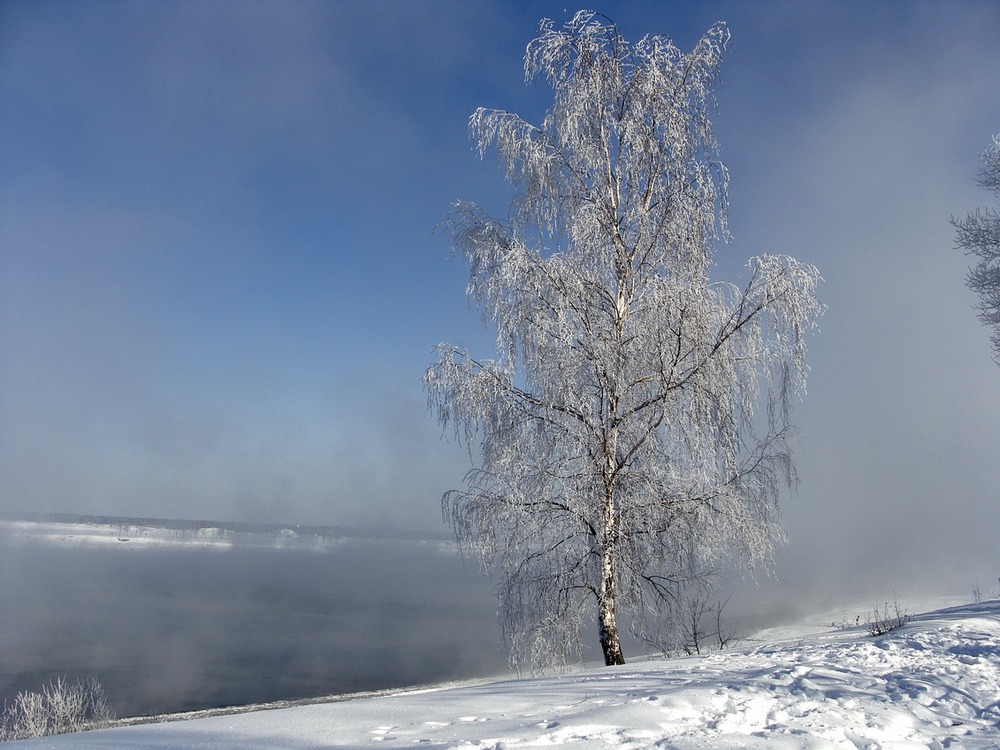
<point>178,629</point>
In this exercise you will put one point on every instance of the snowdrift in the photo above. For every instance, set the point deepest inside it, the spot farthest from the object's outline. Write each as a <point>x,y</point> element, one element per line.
<point>934,683</point>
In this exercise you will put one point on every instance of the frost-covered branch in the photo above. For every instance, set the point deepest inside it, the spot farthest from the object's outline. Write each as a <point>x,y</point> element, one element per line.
<point>978,234</point>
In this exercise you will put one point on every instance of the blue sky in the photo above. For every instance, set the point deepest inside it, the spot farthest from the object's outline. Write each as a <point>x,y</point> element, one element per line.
<point>219,286</point>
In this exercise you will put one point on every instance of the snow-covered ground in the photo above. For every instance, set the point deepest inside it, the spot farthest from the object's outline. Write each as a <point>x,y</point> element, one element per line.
<point>934,683</point>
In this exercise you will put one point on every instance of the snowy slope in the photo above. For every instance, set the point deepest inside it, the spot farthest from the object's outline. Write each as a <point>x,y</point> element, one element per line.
<point>934,683</point>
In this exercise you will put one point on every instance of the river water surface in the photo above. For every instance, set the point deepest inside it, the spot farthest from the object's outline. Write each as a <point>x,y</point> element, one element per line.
<point>178,627</point>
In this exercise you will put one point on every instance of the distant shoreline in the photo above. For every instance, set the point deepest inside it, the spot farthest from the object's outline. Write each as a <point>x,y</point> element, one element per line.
<point>234,527</point>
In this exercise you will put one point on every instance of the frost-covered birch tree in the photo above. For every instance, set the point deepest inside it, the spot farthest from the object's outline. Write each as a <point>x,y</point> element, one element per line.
<point>634,425</point>
<point>979,234</point>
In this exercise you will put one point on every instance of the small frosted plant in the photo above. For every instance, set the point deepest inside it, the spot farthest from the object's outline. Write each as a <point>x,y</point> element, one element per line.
<point>59,708</point>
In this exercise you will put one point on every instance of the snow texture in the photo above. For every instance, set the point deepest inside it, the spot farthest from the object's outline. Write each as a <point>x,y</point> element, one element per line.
<point>934,683</point>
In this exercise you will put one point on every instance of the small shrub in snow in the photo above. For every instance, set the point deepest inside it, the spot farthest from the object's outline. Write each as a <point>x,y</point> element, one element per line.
<point>701,624</point>
<point>882,621</point>
<point>59,708</point>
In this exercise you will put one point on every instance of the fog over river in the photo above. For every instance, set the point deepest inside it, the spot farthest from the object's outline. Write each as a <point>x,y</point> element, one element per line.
<point>176,615</point>
<point>173,625</point>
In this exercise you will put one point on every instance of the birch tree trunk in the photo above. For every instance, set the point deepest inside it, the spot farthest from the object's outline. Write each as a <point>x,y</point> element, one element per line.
<point>607,617</point>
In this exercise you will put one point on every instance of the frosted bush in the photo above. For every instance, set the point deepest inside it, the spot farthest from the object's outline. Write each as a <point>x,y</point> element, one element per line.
<point>59,708</point>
